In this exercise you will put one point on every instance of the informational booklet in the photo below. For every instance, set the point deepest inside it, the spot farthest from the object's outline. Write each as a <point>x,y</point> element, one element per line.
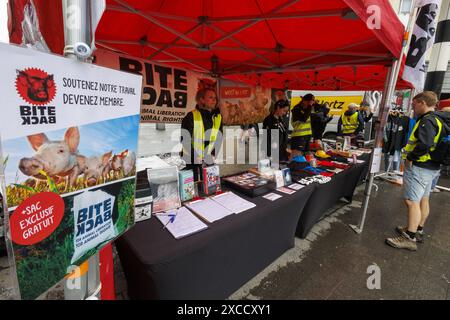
<point>211,180</point>
<point>272,196</point>
<point>209,210</point>
<point>233,202</point>
<point>279,178</point>
<point>164,186</point>
<point>287,178</point>
<point>286,190</point>
<point>181,222</point>
<point>296,186</point>
<point>187,188</point>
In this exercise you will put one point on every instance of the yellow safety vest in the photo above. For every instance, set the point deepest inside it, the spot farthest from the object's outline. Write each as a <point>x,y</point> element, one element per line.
<point>350,123</point>
<point>412,142</point>
<point>301,129</point>
<point>199,134</point>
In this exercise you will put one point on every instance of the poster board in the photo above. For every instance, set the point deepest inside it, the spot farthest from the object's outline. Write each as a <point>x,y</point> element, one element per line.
<point>168,93</point>
<point>242,104</point>
<point>62,123</point>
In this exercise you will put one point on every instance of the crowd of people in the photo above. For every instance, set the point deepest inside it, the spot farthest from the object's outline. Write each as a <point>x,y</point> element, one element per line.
<point>309,120</point>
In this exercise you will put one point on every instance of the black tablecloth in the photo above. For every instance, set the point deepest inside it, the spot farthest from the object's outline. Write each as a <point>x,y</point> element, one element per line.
<point>326,195</point>
<point>213,263</point>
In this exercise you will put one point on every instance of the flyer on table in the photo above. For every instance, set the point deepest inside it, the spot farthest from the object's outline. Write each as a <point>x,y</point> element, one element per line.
<point>69,133</point>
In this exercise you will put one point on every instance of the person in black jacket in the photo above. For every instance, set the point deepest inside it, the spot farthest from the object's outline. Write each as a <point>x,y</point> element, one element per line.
<point>301,123</point>
<point>420,169</point>
<point>319,120</point>
<point>210,115</point>
<point>395,137</point>
<point>274,121</point>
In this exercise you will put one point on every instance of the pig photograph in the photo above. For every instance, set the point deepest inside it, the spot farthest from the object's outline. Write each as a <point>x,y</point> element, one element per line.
<point>70,159</point>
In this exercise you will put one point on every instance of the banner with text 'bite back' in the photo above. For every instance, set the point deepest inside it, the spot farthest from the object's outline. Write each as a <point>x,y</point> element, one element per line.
<point>69,133</point>
<point>168,93</point>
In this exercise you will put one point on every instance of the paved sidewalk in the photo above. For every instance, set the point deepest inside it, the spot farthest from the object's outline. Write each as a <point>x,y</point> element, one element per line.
<point>332,262</point>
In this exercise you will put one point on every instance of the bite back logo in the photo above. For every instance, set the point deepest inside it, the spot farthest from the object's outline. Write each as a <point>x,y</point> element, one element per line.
<point>37,88</point>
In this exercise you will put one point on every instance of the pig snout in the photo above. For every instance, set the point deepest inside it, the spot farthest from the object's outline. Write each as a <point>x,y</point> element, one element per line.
<point>91,181</point>
<point>30,166</point>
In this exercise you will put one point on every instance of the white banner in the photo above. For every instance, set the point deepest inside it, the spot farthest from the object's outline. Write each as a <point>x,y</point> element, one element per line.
<point>422,39</point>
<point>46,92</point>
<point>93,221</point>
<point>69,136</point>
<point>168,93</point>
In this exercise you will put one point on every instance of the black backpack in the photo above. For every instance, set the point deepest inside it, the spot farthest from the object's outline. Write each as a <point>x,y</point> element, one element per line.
<point>441,154</point>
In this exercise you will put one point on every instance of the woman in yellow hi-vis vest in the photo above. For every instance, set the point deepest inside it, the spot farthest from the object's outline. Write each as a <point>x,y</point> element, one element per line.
<point>301,123</point>
<point>201,134</point>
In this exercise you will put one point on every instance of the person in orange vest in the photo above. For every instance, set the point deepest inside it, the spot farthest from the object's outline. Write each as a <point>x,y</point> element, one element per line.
<point>201,134</point>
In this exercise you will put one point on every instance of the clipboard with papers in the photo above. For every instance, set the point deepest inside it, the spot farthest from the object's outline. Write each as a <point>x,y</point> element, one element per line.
<point>209,210</point>
<point>233,202</point>
<point>181,222</point>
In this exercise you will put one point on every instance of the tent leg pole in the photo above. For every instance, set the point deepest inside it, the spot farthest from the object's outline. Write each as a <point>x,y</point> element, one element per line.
<point>367,192</point>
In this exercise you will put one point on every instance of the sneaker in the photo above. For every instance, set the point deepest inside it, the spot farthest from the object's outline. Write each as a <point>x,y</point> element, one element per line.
<point>402,242</point>
<point>419,234</point>
<point>436,190</point>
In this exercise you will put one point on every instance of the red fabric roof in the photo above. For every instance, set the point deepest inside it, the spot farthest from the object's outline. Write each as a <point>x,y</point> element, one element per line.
<point>249,37</point>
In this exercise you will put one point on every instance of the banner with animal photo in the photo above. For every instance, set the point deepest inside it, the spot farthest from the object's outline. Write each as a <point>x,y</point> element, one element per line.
<point>242,104</point>
<point>69,135</point>
<point>168,93</point>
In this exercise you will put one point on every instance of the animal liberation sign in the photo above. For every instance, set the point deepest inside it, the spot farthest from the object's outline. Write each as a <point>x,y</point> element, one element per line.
<point>69,133</point>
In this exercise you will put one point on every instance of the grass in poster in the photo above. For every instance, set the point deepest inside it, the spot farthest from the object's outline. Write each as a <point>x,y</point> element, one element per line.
<point>17,193</point>
<point>41,266</point>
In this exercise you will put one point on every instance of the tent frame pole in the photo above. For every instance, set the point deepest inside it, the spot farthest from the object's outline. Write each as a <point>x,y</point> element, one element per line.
<point>384,112</point>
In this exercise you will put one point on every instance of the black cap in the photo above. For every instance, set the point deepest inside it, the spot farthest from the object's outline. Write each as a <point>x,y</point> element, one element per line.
<point>308,97</point>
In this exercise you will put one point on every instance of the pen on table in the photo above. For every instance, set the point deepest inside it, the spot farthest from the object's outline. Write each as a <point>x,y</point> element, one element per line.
<point>171,220</point>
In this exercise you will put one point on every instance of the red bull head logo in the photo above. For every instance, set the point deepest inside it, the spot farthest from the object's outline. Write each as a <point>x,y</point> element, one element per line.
<point>35,86</point>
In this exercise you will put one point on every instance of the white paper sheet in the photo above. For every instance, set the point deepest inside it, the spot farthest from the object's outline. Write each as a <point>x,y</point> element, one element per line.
<point>296,186</point>
<point>185,222</point>
<point>233,202</point>
<point>209,210</point>
<point>272,196</point>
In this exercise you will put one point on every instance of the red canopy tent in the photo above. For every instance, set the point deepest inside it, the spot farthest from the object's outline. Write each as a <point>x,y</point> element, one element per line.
<point>444,103</point>
<point>308,44</point>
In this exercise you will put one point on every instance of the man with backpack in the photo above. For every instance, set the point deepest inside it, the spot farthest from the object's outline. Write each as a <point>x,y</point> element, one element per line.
<point>426,150</point>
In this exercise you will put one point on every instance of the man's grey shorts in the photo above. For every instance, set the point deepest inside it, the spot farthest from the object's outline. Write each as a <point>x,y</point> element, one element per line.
<point>417,182</point>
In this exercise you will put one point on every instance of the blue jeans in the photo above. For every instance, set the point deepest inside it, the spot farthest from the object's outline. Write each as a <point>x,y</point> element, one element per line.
<point>395,161</point>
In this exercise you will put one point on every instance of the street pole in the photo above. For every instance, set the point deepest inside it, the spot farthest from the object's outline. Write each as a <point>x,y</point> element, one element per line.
<point>84,281</point>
